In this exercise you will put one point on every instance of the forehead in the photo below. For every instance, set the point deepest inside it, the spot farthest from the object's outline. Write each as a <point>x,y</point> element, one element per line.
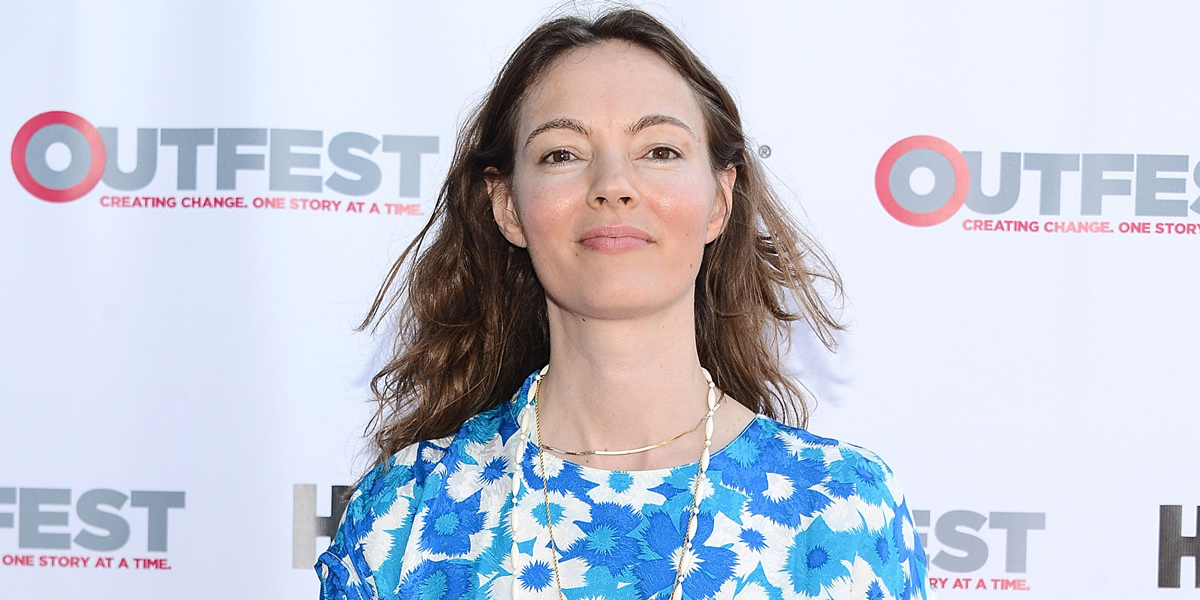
<point>612,84</point>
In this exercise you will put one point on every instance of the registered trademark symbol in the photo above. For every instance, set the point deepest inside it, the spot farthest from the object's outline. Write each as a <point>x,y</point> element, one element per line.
<point>764,151</point>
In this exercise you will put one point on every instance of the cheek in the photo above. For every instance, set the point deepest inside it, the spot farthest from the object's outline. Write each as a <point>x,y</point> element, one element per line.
<point>544,206</point>
<point>686,204</point>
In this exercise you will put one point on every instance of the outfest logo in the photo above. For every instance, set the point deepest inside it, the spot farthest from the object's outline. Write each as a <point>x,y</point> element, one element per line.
<point>1157,185</point>
<point>966,555</point>
<point>294,161</point>
<point>100,536</point>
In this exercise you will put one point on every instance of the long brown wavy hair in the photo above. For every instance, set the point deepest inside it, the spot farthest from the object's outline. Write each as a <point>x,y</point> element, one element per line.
<point>469,311</point>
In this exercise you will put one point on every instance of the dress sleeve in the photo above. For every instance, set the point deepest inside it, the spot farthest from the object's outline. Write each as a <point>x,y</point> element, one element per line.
<point>343,569</point>
<point>367,549</point>
<point>912,560</point>
<point>889,560</point>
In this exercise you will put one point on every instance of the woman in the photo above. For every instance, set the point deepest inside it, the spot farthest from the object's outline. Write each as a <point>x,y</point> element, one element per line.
<point>605,228</point>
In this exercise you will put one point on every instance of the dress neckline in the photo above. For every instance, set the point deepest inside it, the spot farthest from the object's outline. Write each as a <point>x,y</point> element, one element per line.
<point>520,404</point>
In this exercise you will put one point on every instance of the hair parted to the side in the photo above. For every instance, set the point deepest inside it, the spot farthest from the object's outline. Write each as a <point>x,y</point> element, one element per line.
<point>471,315</point>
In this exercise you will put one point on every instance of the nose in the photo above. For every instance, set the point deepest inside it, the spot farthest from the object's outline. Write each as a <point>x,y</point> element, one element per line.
<point>612,182</point>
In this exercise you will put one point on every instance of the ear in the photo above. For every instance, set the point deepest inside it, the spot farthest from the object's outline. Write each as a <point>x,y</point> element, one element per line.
<point>723,206</point>
<point>504,209</point>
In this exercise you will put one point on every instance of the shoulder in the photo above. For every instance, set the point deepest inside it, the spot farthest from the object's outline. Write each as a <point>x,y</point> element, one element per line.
<point>457,465</point>
<point>407,473</point>
<point>385,508</point>
<point>844,514</point>
<point>784,449</point>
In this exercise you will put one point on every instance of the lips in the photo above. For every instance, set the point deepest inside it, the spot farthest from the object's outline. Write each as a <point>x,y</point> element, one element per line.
<point>612,239</point>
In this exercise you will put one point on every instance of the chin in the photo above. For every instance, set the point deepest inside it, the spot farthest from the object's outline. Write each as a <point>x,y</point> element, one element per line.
<point>615,302</point>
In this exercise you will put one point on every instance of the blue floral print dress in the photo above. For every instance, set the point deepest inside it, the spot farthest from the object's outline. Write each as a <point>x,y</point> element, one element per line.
<point>785,514</point>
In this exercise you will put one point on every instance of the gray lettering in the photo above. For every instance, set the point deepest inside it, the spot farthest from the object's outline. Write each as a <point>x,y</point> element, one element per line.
<point>1095,187</point>
<point>157,504</point>
<point>307,526</point>
<point>974,549</point>
<point>943,180</point>
<point>1173,546</point>
<point>76,170</point>
<point>1196,178</point>
<point>921,519</point>
<point>1051,167</point>
<point>143,170</point>
<point>230,161</point>
<point>32,518</point>
<point>1016,537</point>
<point>88,509</point>
<point>1010,183</point>
<point>187,140</point>
<point>1146,202</point>
<point>410,148</point>
<point>369,175</point>
<point>283,160</point>
<point>7,496</point>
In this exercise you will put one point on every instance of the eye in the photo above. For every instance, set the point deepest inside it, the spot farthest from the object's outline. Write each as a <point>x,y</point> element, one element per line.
<point>662,153</point>
<point>558,156</point>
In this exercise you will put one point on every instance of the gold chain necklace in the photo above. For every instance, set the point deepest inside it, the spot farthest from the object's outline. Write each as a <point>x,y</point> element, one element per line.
<point>685,549</point>
<point>706,417</point>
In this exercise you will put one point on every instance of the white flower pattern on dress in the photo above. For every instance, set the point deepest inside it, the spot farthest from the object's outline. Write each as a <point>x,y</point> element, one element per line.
<point>785,514</point>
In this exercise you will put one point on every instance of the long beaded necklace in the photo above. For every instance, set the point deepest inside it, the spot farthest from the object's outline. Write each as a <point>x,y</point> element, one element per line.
<point>685,550</point>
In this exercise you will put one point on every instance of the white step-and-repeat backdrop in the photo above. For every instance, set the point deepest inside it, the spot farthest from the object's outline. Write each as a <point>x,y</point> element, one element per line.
<point>201,199</point>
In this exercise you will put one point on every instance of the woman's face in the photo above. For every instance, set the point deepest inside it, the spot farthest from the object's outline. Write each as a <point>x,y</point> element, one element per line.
<point>612,192</point>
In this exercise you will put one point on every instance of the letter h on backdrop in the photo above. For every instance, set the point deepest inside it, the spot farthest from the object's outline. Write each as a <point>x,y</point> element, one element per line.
<point>1173,546</point>
<point>307,526</point>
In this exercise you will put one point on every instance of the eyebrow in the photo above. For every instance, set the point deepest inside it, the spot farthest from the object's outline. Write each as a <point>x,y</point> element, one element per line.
<point>652,120</point>
<point>578,127</point>
<point>570,124</point>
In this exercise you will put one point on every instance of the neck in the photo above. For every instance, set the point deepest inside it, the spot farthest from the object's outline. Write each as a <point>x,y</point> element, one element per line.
<point>620,384</point>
